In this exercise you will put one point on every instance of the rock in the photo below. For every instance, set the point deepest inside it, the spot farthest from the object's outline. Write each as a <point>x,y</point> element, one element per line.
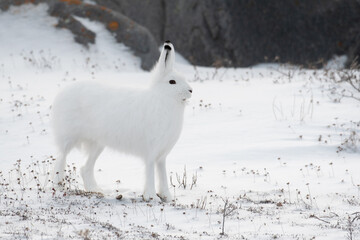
<point>125,30</point>
<point>353,52</point>
<point>222,32</point>
<point>150,14</point>
<point>243,33</point>
<point>81,34</point>
<point>5,4</point>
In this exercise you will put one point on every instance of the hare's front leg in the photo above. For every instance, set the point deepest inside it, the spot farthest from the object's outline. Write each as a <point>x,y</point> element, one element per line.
<point>164,192</point>
<point>149,191</point>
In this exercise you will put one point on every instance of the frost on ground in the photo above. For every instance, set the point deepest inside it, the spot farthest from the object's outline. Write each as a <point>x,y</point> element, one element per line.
<point>270,143</point>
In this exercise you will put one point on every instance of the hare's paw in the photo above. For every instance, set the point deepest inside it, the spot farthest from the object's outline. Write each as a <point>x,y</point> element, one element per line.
<point>57,176</point>
<point>58,185</point>
<point>94,189</point>
<point>151,196</point>
<point>165,196</point>
<point>91,186</point>
<point>58,181</point>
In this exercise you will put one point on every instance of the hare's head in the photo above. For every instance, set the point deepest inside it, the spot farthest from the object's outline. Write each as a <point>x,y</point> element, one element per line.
<point>171,82</point>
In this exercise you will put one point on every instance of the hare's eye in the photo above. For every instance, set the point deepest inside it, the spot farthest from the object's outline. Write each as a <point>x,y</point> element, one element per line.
<point>172,82</point>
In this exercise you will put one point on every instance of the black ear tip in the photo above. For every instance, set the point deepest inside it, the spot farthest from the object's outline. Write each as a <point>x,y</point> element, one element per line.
<point>167,41</point>
<point>167,47</point>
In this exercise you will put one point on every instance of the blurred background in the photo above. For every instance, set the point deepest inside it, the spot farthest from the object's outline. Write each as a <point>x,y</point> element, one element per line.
<point>281,142</point>
<point>230,33</point>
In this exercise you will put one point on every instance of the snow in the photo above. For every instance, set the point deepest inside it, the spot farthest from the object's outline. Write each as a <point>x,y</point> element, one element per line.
<point>265,138</point>
<point>337,62</point>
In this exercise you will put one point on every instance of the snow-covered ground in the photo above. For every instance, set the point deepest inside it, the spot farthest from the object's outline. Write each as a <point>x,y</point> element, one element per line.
<point>265,140</point>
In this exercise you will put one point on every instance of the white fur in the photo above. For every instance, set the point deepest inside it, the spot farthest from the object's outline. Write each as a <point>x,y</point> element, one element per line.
<point>146,123</point>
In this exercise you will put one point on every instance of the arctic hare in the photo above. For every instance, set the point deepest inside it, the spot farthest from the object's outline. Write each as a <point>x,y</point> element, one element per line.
<point>143,122</point>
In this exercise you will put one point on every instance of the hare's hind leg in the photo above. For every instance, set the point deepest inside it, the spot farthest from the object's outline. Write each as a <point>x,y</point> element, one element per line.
<point>58,174</point>
<point>87,171</point>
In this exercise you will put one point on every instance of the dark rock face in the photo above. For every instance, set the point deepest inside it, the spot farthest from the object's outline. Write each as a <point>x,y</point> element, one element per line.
<point>242,33</point>
<point>300,32</point>
<point>354,44</point>
<point>221,32</point>
<point>148,13</point>
<point>201,31</point>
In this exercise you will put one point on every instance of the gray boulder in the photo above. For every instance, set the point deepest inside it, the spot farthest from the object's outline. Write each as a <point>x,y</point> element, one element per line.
<point>221,32</point>
<point>243,33</point>
<point>124,29</point>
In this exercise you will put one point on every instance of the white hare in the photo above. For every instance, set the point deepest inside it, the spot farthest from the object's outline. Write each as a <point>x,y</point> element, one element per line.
<point>143,122</point>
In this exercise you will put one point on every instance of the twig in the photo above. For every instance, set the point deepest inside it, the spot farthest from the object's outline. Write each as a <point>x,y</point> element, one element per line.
<point>313,216</point>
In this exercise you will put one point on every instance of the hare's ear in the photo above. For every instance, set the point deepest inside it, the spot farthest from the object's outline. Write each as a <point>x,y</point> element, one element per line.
<point>167,58</point>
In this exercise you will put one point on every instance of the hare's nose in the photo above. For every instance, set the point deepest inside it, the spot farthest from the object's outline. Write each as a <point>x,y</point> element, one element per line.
<point>190,91</point>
